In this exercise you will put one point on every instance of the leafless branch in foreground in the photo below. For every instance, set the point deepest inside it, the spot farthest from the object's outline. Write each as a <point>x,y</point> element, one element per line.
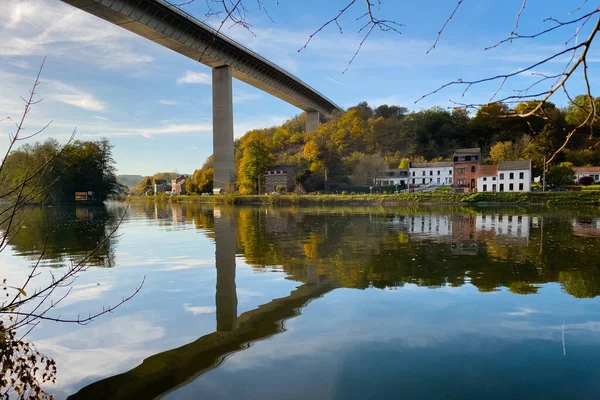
<point>24,369</point>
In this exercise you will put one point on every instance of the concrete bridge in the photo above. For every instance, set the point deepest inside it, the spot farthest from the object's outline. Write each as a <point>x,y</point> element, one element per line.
<point>167,25</point>
<point>166,371</point>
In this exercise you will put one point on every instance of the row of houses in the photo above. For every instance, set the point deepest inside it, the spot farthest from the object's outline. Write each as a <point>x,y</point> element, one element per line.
<point>464,173</point>
<point>176,187</point>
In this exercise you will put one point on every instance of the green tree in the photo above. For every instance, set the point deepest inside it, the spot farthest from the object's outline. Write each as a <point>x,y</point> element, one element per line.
<point>256,158</point>
<point>560,175</point>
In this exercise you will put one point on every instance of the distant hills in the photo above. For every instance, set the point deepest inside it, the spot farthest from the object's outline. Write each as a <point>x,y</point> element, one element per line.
<point>129,180</point>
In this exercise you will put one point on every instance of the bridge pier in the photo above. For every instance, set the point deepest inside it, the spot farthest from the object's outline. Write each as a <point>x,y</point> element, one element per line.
<point>225,247</point>
<point>224,173</point>
<point>312,121</point>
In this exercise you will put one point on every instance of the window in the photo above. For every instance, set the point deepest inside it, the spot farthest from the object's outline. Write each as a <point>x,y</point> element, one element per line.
<point>413,181</point>
<point>473,168</point>
<point>596,177</point>
<point>450,180</point>
<point>511,176</point>
<point>493,178</point>
<point>511,187</point>
<point>461,171</point>
<point>494,187</point>
<point>439,171</point>
<point>461,182</point>
<point>521,175</point>
<point>485,188</point>
<point>450,172</point>
<point>510,218</point>
<point>519,219</point>
<point>423,181</point>
<point>501,178</point>
<point>500,218</point>
<point>502,187</point>
<point>438,180</point>
<point>520,186</point>
<point>423,173</point>
<point>413,174</point>
<point>484,178</point>
<point>430,173</point>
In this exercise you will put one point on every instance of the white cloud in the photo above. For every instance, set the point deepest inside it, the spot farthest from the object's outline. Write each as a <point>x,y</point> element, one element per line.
<point>165,102</point>
<point>241,97</point>
<point>38,27</point>
<point>199,310</point>
<point>194,77</point>
<point>523,312</point>
<point>175,129</point>
<point>87,102</point>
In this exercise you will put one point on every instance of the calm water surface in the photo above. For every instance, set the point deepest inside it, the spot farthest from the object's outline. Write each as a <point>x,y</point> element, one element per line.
<point>323,303</point>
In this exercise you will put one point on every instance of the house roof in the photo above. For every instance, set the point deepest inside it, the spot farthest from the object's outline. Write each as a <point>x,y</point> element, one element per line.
<point>160,181</point>
<point>487,170</point>
<point>440,164</point>
<point>283,167</point>
<point>475,150</point>
<point>514,165</point>
<point>585,170</point>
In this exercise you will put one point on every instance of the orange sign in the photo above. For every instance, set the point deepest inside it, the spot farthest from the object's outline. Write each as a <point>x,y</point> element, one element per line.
<point>81,196</point>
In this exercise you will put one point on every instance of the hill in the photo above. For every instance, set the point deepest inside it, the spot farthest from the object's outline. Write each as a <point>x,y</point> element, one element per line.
<point>129,180</point>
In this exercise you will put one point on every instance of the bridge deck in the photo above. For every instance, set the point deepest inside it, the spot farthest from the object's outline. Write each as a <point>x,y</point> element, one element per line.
<point>167,25</point>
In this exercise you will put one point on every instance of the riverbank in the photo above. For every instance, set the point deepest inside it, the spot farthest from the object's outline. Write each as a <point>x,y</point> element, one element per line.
<point>540,198</point>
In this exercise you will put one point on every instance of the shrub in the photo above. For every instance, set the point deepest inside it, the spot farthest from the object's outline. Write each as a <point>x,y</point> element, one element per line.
<point>585,181</point>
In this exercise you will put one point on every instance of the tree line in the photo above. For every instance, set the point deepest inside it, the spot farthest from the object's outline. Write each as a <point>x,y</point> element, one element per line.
<point>80,166</point>
<point>353,147</point>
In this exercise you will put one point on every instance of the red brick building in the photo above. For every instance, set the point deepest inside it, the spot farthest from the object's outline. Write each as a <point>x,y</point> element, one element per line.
<point>466,164</point>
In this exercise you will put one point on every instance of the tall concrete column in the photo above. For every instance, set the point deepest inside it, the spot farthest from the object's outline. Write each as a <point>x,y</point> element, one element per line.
<point>225,247</point>
<point>224,175</point>
<point>312,121</point>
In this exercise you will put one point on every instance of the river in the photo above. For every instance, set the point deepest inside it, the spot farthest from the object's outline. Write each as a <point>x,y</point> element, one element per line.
<point>322,302</point>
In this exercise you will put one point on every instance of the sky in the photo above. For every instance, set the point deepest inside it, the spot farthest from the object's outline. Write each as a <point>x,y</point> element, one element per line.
<point>155,105</point>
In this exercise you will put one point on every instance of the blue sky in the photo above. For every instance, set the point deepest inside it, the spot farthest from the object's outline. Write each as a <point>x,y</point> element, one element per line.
<point>155,105</point>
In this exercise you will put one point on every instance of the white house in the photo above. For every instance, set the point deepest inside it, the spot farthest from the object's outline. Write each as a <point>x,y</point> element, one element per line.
<point>487,178</point>
<point>430,173</point>
<point>514,176</point>
<point>507,176</point>
<point>594,172</point>
<point>393,177</point>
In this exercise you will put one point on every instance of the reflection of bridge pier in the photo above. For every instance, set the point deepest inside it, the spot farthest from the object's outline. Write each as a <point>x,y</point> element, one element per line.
<point>163,372</point>
<point>225,246</point>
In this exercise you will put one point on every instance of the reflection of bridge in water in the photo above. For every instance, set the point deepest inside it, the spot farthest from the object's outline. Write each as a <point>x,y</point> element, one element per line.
<point>163,372</point>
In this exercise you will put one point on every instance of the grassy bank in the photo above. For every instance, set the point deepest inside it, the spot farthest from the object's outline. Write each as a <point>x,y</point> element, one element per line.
<point>547,198</point>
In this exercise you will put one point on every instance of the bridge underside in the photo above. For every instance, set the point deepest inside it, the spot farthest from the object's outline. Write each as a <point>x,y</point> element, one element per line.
<point>170,27</point>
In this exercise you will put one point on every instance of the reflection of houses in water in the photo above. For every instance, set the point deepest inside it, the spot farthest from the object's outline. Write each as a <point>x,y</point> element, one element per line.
<point>429,227</point>
<point>507,229</point>
<point>586,226</point>
<point>463,235</point>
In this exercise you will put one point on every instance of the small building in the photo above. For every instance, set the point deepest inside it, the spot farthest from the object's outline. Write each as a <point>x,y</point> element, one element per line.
<point>178,185</point>
<point>487,178</point>
<point>280,175</point>
<point>466,164</point>
<point>161,186</point>
<point>397,176</point>
<point>514,176</point>
<point>594,172</point>
<point>431,173</point>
